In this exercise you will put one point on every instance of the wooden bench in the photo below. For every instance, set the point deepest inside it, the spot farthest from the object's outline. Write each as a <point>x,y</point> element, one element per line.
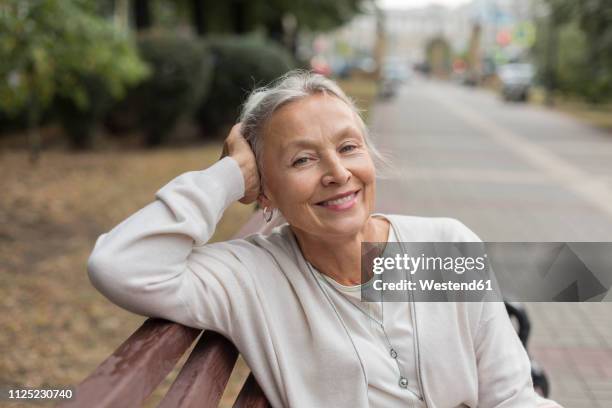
<point>140,364</point>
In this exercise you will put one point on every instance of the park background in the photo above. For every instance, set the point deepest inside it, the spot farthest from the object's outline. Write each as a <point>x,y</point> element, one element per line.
<point>103,102</point>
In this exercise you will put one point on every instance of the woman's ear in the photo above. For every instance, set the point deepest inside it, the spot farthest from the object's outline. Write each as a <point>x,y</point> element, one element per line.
<point>264,201</point>
<point>265,198</point>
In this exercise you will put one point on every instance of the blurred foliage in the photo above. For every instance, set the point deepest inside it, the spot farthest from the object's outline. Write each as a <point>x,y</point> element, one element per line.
<point>313,15</point>
<point>241,16</point>
<point>69,60</point>
<point>574,48</point>
<point>181,74</point>
<point>595,18</point>
<point>54,50</point>
<point>80,122</point>
<point>49,46</point>
<point>573,67</point>
<point>170,14</point>
<point>240,65</point>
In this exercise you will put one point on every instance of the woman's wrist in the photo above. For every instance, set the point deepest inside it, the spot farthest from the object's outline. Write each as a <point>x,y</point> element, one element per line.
<point>247,168</point>
<point>231,175</point>
<point>237,147</point>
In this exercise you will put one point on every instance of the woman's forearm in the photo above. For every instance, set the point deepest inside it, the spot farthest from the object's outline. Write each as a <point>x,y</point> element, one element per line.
<point>140,264</point>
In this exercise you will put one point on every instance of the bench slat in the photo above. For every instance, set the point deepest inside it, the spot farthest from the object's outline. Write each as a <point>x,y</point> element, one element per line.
<point>251,395</point>
<point>132,372</point>
<point>204,376</point>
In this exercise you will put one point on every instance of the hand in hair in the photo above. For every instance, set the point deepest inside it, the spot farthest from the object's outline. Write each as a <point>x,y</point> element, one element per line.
<point>237,147</point>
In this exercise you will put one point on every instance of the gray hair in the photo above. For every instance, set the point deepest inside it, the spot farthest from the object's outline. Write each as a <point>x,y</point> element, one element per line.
<point>294,85</point>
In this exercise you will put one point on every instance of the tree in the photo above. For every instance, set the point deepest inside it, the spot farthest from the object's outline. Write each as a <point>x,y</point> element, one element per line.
<point>198,16</point>
<point>560,13</point>
<point>142,14</point>
<point>595,17</point>
<point>244,16</point>
<point>54,49</point>
<point>314,15</point>
<point>574,49</point>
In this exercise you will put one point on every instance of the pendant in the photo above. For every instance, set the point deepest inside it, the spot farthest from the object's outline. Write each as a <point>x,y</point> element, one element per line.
<point>403,382</point>
<point>393,353</point>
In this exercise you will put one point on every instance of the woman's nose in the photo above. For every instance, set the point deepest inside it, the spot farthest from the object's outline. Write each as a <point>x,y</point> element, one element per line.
<point>336,172</point>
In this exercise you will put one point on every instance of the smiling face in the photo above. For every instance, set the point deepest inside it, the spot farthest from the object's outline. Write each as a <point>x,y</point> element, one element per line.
<point>317,169</point>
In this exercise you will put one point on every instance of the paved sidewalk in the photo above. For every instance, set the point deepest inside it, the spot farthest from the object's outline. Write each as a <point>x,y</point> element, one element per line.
<point>573,341</point>
<point>511,172</point>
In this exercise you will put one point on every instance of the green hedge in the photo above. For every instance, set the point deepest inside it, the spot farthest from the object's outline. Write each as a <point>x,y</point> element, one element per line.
<point>181,74</point>
<point>240,64</point>
<point>61,60</point>
<point>80,122</point>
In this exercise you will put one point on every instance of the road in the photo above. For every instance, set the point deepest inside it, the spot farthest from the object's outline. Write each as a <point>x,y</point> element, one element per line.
<point>511,172</point>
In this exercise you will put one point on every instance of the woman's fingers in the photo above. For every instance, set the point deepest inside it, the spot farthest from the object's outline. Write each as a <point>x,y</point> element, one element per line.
<point>238,148</point>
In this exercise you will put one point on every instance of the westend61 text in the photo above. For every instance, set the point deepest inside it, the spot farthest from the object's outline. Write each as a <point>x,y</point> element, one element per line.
<point>430,284</point>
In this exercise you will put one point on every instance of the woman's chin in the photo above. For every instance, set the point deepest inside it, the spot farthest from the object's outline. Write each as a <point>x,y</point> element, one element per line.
<point>344,224</point>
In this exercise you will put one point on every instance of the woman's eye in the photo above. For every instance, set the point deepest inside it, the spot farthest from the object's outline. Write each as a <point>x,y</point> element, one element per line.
<point>300,161</point>
<point>347,148</point>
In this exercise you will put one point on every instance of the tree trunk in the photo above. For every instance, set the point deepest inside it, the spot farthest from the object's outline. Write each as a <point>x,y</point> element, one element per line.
<point>238,16</point>
<point>551,60</point>
<point>380,44</point>
<point>276,31</point>
<point>122,14</point>
<point>34,141</point>
<point>153,139</point>
<point>142,14</point>
<point>292,43</point>
<point>199,17</point>
<point>291,28</point>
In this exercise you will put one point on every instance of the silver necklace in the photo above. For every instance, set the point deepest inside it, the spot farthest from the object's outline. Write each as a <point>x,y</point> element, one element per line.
<point>403,381</point>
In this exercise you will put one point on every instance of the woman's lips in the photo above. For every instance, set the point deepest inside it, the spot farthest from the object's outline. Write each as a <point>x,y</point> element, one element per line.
<point>341,204</point>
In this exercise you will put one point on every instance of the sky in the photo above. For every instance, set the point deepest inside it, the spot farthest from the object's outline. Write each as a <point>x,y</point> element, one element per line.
<point>419,3</point>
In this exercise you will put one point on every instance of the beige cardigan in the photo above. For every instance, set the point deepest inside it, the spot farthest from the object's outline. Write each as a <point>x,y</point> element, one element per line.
<point>259,293</point>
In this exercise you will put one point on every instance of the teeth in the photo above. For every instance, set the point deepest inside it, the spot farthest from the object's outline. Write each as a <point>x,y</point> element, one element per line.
<point>340,200</point>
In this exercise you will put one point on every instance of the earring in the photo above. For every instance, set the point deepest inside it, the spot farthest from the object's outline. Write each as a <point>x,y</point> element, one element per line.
<point>268,216</point>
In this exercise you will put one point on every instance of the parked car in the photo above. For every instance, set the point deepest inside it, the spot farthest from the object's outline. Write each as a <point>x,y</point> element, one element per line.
<point>396,73</point>
<point>393,76</point>
<point>516,80</point>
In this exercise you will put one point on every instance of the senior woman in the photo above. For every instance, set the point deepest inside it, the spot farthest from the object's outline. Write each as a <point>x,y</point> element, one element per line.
<point>289,299</point>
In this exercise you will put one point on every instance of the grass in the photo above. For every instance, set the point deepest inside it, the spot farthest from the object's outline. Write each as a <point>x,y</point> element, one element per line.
<point>55,326</point>
<point>363,91</point>
<point>599,116</point>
